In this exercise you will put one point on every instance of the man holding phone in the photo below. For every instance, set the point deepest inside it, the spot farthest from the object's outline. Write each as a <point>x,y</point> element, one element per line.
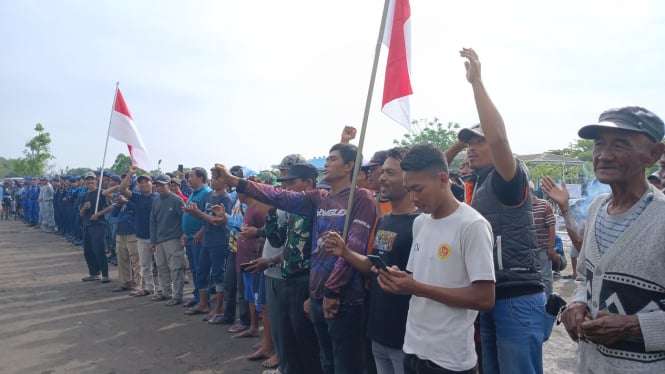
<point>392,243</point>
<point>449,272</point>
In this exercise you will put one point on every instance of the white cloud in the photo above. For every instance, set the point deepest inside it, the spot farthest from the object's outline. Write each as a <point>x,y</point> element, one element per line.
<point>248,82</point>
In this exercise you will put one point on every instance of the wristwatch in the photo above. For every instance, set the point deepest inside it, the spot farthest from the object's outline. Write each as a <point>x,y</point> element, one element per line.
<point>272,263</point>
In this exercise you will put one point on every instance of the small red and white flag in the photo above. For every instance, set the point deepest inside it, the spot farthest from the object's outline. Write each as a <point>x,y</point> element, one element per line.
<point>397,85</point>
<point>123,129</point>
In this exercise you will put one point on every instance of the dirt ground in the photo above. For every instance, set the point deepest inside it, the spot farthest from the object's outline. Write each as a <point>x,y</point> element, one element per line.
<point>51,322</point>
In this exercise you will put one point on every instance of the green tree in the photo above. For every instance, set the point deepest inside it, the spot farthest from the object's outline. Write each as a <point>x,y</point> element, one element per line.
<point>37,154</point>
<point>7,168</point>
<point>122,164</point>
<point>571,173</point>
<point>581,149</point>
<point>434,132</point>
<point>77,171</point>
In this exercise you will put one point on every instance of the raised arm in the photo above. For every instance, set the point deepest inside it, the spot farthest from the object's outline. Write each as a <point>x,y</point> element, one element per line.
<point>454,150</point>
<point>490,118</point>
<point>302,203</point>
<point>124,185</point>
<point>109,191</point>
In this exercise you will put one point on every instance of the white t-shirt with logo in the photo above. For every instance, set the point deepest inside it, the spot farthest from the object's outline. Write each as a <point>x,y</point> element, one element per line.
<point>450,252</point>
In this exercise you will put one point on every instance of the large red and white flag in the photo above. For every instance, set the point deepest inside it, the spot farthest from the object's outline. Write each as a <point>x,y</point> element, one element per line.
<point>397,85</point>
<point>123,129</point>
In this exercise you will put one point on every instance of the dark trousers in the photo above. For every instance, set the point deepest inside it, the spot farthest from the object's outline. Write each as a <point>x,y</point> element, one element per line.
<point>233,285</point>
<point>415,365</point>
<point>340,338</point>
<point>301,348</point>
<point>93,249</point>
<point>193,251</point>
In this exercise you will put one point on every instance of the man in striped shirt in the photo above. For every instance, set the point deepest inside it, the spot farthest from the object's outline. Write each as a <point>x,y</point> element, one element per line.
<point>543,219</point>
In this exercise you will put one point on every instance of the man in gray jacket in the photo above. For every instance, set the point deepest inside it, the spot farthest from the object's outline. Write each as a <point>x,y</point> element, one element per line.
<point>165,232</point>
<point>618,310</point>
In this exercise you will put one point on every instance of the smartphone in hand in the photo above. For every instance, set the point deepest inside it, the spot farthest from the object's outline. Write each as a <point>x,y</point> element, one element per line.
<point>243,267</point>
<point>377,262</point>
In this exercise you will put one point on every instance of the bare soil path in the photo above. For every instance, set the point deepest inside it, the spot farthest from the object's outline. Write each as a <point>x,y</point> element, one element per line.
<point>51,322</point>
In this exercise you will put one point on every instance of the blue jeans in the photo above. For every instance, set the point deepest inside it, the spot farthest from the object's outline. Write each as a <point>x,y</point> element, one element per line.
<point>415,365</point>
<point>388,360</point>
<point>512,335</point>
<point>212,258</point>
<point>111,228</point>
<point>193,252</point>
<point>340,338</point>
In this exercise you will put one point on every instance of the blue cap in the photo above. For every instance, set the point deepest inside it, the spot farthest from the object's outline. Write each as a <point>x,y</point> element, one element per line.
<point>115,178</point>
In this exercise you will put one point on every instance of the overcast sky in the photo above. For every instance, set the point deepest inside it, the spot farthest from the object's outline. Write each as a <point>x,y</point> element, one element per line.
<point>247,82</point>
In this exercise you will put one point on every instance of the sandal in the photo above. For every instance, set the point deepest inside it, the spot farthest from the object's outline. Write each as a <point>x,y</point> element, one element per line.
<point>219,319</point>
<point>255,357</point>
<point>173,302</point>
<point>194,311</point>
<point>270,363</point>
<point>139,293</point>
<point>237,328</point>
<point>248,334</point>
<point>160,298</point>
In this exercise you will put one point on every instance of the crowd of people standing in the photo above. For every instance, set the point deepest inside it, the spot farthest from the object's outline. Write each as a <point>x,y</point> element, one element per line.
<point>438,272</point>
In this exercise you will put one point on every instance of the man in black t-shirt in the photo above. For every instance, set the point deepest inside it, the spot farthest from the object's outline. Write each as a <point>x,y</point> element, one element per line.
<point>392,243</point>
<point>94,230</point>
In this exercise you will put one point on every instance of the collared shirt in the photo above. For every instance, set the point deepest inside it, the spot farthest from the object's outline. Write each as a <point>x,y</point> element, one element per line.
<point>190,224</point>
<point>296,237</point>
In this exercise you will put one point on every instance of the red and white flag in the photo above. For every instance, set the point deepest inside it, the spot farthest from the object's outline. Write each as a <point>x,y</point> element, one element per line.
<point>397,86</point>
<point>123,129</point>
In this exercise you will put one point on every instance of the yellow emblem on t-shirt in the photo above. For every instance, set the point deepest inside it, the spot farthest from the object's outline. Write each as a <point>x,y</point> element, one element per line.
<point>444,251</point>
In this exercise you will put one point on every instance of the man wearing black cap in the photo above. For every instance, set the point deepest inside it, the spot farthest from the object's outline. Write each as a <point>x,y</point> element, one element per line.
<point>299,347</point>
<point>336,289</point>
<point>93,208</point>
<point>618,310</point>
<point>373,168</point>
<point>501,195</point>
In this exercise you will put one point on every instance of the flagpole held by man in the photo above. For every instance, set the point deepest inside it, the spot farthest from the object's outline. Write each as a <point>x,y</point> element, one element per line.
<point>395,33</point>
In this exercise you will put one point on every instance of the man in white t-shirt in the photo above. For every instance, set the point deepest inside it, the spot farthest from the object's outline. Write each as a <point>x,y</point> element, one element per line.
<point>451,266</point>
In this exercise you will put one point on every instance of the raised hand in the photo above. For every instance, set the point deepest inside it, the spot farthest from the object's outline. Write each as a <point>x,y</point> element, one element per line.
<point>348,134</point>
<point>472,64</point>
<point>559,195</point>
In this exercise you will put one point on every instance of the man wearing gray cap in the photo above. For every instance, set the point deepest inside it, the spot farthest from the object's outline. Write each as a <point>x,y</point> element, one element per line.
<point>618,310</point>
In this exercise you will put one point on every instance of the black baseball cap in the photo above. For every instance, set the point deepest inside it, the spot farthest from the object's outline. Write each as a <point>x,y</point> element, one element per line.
<point>378,158</point>
<point>162,179</point>
<point>466,134</point>
<point>630,118</point>
<point>304,171</point>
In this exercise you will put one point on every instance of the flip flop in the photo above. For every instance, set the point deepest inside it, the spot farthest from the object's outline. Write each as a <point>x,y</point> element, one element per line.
<point>237,328</point>
<point>192,311</point>
<point>255,357</point>
<point>247,334</point>
<point>269,365</point>
<point>218,319</point>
